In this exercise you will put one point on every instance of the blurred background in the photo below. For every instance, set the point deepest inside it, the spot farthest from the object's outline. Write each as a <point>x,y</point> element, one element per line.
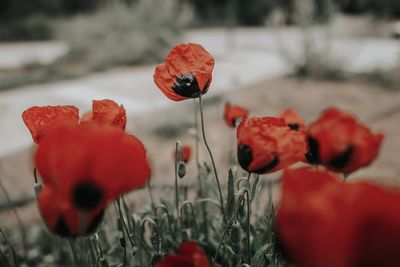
<point>270,55</point>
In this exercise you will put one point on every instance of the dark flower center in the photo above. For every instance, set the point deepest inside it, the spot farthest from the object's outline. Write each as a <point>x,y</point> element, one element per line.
<point>187,86</point>
<point>313,151</point>
<point>343,159</point>
<point>245,157</point>
<point>62,228</point>
<point>294,126</point>
<point>87,195</point>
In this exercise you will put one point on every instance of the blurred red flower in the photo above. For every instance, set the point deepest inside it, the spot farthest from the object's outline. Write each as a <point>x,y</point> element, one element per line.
<point>40,120</point>
<point>293,120</point>
<point>65,220</point>
<point>268,144</point>
<point>187,152</point>
<point>186,73</point>
<point>91,164</point>
<point>190,255</point>
<point>323,222</point>
<point>339,142</point>
<point>234,114</point>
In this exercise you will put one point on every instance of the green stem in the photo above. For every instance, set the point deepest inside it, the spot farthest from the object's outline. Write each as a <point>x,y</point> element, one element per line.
<point>199,178</point>
<point>221,199</point>
<point>123,222</point>
<point>19,221</point>
<point>246,192</point>
<point>11,247</point>
<point>70,242</point>
<point>223,237</point>
<point>176,188</point>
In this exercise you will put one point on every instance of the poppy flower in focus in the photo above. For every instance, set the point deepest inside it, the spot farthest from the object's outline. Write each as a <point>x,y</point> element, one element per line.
<point>234,114</point>
<point>293,120</point>
<point>40,120</point>
<point>186,73</point>
<point>323,222</point>
<point>340,143</point>
<point>267,145</point>
<point>63,219</point>
<point>91,164</point>
<point>190,255</point>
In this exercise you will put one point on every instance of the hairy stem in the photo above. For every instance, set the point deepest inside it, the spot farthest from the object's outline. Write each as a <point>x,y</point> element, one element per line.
<point>221,199</point>
<point>199,178</point>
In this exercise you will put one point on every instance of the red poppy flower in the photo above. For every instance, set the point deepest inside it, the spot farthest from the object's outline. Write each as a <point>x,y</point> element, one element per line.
<point>187,152</point>
<point>91,164</point>
<point>323,222</point>
<point>233,114</point>
<point>63,219</point>
<point>190,255</point>
<point>40,120</point>
<point>293,120</point>
<point>267,145</point>
<point>339,142</point>
<point>108,112</point>
<point>186,73</point>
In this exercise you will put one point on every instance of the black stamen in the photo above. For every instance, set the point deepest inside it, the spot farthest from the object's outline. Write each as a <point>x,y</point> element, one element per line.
<point>245,156</point>
<point>343,159</point>
<point>62,228</point>
<point>272,164</point>
<point>187,86</point>
<point>87,195</point>
<point>313,151</point>
<point>294,126</point>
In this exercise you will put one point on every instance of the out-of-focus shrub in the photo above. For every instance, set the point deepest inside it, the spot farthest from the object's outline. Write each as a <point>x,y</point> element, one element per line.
<point>124,34</point>
<point>382,8</point>
<point>248,12</point>
<point>34,19</point>
<point>36,27</point>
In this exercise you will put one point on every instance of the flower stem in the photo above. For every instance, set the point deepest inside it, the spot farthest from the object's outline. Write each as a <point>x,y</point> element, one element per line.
<point>19,221</point>
<point>223,237</point>
<point>246,192</point>
<point>11,247</point>
<point>211,157</point>
<point>176,187</point>
<point>199,178</point>
<point>70,242</point>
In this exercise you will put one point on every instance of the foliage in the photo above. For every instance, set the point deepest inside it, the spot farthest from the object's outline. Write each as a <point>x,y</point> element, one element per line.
<point>382,8</point>
<point>123,34</point>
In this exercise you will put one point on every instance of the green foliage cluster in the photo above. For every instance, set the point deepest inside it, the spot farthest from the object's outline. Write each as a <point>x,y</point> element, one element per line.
<point>381,8</point>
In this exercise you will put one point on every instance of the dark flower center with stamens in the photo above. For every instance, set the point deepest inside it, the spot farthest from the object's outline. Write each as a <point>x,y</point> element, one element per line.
<point>313,151</point>
<point>294,126</point>
<point>343,159</point>
<point>245,157</point>
<point>187,86</point>
<point>62,228</point>
<point>87,195</point>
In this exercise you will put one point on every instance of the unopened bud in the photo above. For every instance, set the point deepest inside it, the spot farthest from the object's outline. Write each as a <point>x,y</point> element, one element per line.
<point>236,233</point>
<point>181,170</point>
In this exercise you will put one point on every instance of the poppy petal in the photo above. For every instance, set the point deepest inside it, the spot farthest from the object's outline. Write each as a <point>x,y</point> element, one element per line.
<point>108,112</point>
<point>40,120</point>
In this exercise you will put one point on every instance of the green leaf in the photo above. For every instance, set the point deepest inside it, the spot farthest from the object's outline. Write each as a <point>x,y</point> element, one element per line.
<point>255,188</point>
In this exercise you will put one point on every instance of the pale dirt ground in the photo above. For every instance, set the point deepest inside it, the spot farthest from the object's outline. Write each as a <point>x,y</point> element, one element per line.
<point>375,106</point>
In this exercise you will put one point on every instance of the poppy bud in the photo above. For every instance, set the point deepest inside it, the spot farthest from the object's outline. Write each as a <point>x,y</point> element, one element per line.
<point>38,187</point>
<point>181,170</point>
<point>236,233</point>
<point>122,241</point>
